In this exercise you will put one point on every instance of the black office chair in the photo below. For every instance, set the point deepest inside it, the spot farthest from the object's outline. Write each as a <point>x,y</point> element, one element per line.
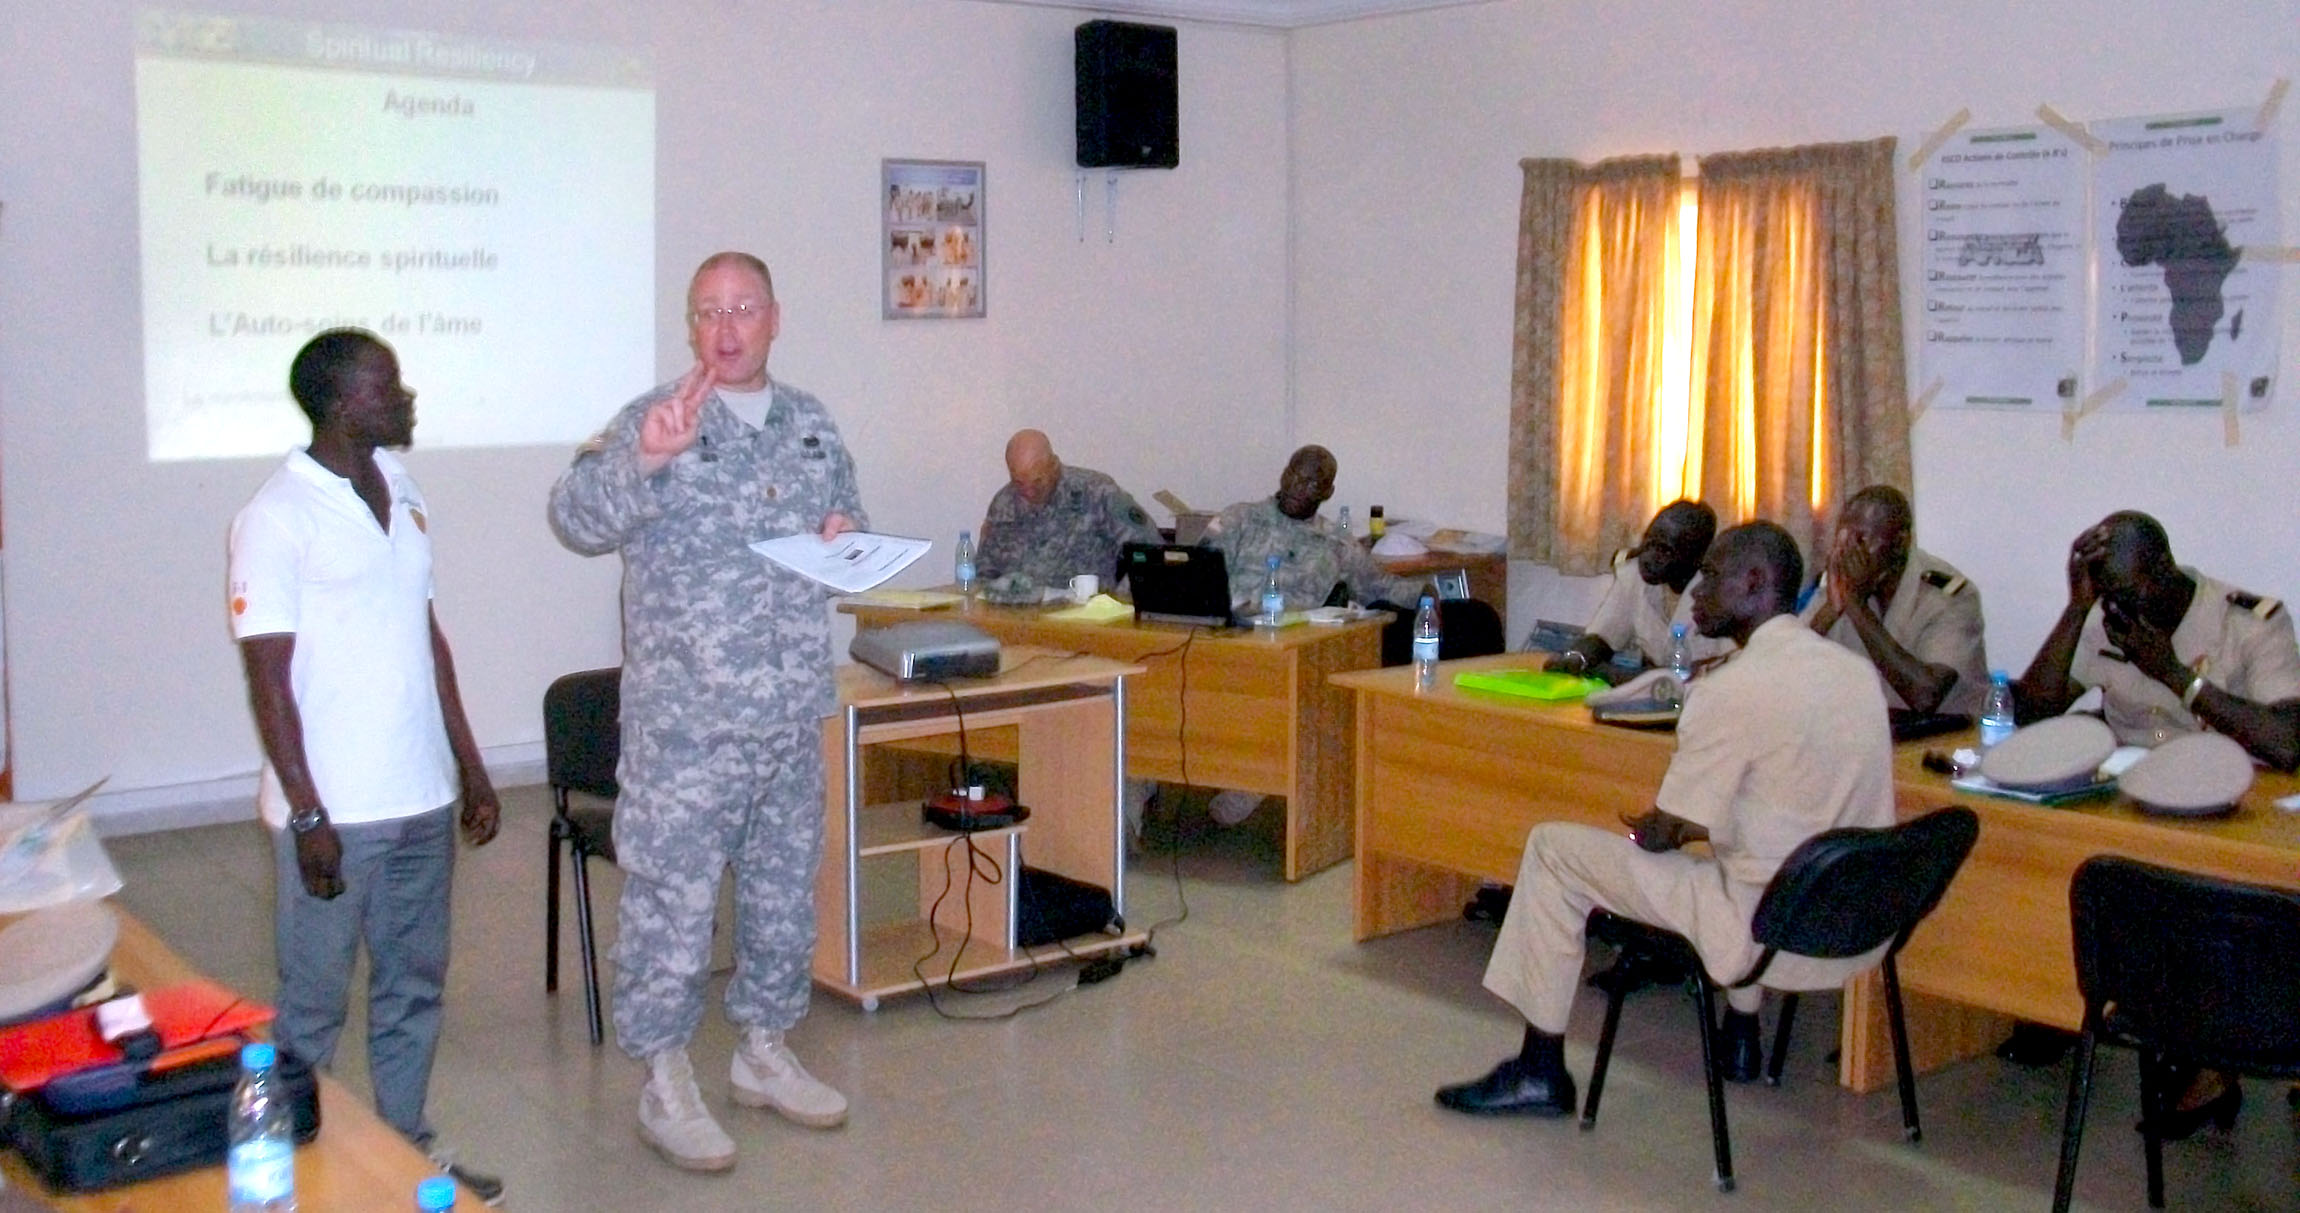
<point>1840,894</point>
<point>581,742</point>
<point>2186,969</point>
<point>1468,627</point>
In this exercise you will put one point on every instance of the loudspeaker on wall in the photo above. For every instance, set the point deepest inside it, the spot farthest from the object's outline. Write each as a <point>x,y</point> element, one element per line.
<point>1127,99</point>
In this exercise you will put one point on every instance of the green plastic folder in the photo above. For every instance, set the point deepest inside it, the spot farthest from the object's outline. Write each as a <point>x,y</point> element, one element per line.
<point>1528,684</point>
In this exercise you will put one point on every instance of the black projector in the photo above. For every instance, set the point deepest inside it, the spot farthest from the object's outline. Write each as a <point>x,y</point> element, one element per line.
<point>929,650</point>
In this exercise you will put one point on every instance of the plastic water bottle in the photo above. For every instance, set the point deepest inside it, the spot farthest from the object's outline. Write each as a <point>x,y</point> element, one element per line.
<point>261,1164</point>
<point>1680,654</point>
<point>962,566</point>
<point>1997,714</point>
<point>1273,598</point>
<point>1345,524</point>
<point>435,1195</point>
<point>1426,644</point>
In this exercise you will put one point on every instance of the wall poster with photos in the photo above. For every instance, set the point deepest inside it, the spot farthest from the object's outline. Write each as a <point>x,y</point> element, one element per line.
<point>932,241</point>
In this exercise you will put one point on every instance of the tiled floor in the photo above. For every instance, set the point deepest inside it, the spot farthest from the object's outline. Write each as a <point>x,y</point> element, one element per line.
<point>1261,1060</point>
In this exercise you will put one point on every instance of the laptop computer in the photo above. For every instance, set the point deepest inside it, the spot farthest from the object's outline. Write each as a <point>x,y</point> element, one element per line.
<point>1177,583</point>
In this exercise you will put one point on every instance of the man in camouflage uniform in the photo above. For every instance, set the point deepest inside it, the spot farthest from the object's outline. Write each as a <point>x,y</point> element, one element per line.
<point>1915,617</point>
<point>1051,522</point>
<point>726,677</point>
<point>1313,558</point>
<point>1313,555</point>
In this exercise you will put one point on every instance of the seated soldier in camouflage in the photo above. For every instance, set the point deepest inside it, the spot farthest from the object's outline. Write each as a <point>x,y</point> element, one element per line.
<point>1051,522</point>
<point>1314,558</point>
<point>1313,554</point>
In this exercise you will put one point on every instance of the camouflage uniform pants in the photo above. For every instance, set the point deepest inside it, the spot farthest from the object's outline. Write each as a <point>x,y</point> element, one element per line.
<point>690,808</point>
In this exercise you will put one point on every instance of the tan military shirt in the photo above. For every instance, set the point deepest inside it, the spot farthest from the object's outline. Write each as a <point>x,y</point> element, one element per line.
<point>1786,739</point>
<point>2242,643</point>
<point>1634,615</point>
<point>1936,616</point>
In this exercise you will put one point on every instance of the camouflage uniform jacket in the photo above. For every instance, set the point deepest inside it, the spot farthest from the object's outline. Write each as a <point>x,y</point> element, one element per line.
<point>1312,554</point>
<point>1078,530</point>
<point>716,638</point>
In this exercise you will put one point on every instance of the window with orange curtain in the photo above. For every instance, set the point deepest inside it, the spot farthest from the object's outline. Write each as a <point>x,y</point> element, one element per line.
<point>1735,338</point>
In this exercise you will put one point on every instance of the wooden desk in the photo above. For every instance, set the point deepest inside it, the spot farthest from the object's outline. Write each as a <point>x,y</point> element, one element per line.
<point>1450,781</point>
<point>1260,715</point>
<point>1064,714</point>
<point>2000,945</point>
<point>357,1163</point>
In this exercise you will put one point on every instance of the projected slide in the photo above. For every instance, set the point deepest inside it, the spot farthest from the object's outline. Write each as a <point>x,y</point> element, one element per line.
<point>487,206</point>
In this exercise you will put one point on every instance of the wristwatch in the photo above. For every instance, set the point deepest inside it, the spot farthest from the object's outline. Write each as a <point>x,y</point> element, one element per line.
<point>308,820</point>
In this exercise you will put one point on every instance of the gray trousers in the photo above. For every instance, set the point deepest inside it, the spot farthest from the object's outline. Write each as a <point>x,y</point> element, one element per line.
<point>692,807</point>
<point>396,876</point>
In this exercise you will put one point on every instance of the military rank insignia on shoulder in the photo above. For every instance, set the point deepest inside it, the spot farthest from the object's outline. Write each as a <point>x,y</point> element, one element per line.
<point>1944,581</point>
<point>2258,606</point>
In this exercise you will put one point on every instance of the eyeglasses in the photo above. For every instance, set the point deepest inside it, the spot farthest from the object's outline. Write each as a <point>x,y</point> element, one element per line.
<point>741,313</point>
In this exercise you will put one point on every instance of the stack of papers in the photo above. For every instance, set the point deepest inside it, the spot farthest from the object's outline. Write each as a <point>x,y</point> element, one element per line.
<point>851,563</point>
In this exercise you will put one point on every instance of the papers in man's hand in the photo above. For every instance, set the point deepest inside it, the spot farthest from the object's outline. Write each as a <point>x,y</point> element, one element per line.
<point>850,564</point>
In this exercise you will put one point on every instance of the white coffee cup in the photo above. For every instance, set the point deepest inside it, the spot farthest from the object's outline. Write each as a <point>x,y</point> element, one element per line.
<point>1084,587</point>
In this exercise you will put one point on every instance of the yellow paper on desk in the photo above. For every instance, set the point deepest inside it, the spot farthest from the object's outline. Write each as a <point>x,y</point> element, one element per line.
<point>1101,608</point>
<point>908,600</point>
<point>1528,684</point>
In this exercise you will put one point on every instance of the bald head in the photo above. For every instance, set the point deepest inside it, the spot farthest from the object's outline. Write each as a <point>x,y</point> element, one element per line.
<point>1031,465</point>
<point>1751,574</point>
<point>1877,521</point>
<point>1674,543</point>
<point>2133,570</point>
<point>1307,482</point>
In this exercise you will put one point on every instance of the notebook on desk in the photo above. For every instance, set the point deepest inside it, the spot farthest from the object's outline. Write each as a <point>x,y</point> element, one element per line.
<point>1177,583</point>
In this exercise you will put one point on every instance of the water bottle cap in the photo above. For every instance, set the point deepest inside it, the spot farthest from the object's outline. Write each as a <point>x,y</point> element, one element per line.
<point>965,535</point>
<point>1999,676</point>
<point>1427,600</point>
<point>1677,629</point>
<point>437,1192</point>
<point>1272,562</point>
<point>257,1056</point>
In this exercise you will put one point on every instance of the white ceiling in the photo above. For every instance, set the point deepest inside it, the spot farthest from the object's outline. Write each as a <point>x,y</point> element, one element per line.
<point>1277,14</point>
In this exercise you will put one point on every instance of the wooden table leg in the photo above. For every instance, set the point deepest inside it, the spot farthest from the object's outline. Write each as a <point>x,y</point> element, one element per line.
<point>1940,1033</point>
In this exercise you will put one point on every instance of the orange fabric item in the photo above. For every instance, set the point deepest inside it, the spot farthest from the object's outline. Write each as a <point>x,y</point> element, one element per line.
<point>195,1020</point>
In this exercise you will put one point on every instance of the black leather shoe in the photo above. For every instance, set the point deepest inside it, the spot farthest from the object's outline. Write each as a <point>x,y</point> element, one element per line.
<point>1744,1059</point>
<point>2034,1044</point>
<point>2220,1111</point>
<point>1512,1090</point>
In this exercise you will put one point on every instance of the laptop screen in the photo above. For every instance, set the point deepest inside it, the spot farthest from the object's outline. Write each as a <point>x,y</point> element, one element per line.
<point>1177,583</point>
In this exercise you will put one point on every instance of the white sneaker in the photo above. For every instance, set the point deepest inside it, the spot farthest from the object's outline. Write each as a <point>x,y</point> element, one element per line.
<point>673,1120</point>
<point>765,1074</point>
<point>1229,807</point>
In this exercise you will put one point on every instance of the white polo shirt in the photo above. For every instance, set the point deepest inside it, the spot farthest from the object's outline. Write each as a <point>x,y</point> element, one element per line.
<point>307,558</point>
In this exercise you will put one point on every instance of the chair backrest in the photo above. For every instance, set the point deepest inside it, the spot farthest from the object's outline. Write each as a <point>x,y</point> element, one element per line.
<point>581,731</point>
<point>1845,891</point>
<point>2206,969</point>
<point>1470,627</point>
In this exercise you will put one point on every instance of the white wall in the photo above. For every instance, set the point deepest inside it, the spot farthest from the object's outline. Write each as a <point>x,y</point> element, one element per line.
<point>774,115</point>
<point>1408,131</point>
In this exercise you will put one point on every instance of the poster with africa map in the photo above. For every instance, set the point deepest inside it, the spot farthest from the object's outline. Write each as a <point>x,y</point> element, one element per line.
<point>2182,313</point>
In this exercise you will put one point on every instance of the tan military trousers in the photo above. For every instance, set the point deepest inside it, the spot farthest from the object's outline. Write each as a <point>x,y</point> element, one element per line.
<point>1568,870</point>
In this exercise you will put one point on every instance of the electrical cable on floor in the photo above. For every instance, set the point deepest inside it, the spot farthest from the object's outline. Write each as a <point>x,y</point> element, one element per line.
<point>1149,944</point>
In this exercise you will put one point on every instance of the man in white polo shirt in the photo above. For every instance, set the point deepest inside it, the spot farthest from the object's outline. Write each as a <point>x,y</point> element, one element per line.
<point>366,749</point>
